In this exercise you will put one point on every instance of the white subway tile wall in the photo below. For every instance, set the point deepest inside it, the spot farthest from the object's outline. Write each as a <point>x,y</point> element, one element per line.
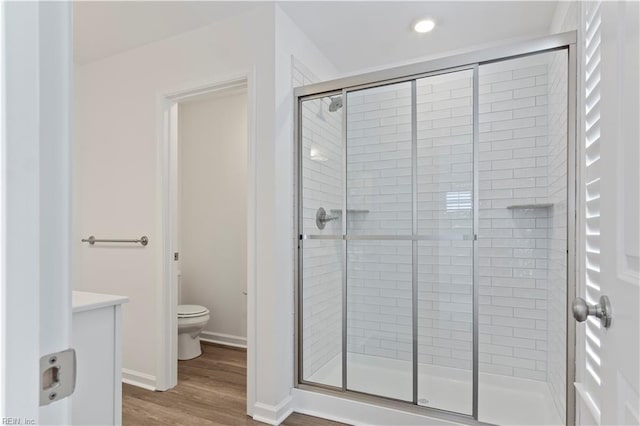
<point>522,257</point>
<point>445,155</point>
<point>379,160</point>
<point>513,242</point>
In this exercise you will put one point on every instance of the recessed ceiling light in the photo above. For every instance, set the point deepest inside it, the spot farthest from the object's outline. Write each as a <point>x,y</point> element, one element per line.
<point>424,26</point>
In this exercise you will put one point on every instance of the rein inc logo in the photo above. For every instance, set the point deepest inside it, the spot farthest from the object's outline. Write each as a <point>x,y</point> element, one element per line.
<point>17,421</point>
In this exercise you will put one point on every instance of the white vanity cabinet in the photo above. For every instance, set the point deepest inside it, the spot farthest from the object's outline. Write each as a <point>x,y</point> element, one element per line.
<point>97,339</point>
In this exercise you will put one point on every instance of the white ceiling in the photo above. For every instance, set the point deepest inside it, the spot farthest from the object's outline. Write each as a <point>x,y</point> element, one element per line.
<point>360,35</point>
<point>105,28</point>
<point>353,35</point>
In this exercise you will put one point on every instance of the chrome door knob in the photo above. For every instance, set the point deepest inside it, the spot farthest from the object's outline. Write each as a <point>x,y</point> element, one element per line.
<point>582,310</point>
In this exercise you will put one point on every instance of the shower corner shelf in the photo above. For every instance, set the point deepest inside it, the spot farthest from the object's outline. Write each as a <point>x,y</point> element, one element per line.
<point>339,211</point>
<point>530,206</point>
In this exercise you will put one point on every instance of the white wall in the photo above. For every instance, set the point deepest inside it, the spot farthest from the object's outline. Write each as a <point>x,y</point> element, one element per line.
<point>513,242</point>
<point>117,181</point>
<point>117,171</point>
<point>290,44</point>
<point>212,144</point>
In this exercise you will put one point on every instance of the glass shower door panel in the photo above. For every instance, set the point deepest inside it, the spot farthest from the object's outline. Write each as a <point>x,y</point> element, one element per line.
<point>379,160</point>
<point>321,266</point>
<point>444,113</point>
<point>321,174</point>
<point>523,239</point>
<point>379,318</point>
<point>445,261</point>
<point>379,270</point>
<point>321,327</point>
<point>445,325</point>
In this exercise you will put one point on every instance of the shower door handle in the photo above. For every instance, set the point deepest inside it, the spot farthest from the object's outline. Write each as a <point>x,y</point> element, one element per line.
<point>582,310</point>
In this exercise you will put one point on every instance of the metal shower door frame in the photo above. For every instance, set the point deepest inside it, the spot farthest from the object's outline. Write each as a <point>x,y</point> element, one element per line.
<point>411,73</point>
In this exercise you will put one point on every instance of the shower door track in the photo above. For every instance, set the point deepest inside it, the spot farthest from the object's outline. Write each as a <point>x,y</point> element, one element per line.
<point>410,73</point>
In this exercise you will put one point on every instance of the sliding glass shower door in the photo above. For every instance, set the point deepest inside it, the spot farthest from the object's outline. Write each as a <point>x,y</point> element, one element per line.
<point>434,259</point>
<point>387,213</point>
<point>379,249</point>
<point>321,259</point>
<point>444,260</point>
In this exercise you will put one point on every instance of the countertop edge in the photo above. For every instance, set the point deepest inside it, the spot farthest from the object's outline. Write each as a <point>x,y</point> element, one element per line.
<point>86,301</point>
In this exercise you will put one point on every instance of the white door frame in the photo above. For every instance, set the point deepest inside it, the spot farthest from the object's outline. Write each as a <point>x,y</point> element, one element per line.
<point>167,320</point>
<point>35,164</point>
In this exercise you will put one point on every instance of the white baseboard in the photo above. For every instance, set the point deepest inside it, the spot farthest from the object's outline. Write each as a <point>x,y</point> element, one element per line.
<point>224,339</point>
<point>273,414</point>
<point>141,380</point>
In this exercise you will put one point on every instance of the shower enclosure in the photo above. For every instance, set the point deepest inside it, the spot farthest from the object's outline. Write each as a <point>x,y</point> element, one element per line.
<point>436,235</point>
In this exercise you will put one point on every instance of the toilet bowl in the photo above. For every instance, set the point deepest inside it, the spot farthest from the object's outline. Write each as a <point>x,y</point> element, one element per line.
<point>191,321</point>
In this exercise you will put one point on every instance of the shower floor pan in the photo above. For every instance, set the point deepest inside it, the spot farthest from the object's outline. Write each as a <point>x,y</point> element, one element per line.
<point>503,400</point>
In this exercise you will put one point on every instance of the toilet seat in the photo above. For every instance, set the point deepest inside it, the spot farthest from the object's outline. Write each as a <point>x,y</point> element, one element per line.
<point>190,311</point>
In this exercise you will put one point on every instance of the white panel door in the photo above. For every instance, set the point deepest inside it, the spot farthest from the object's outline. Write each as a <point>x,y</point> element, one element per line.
<point>35,210</point>
<point>608,360</point>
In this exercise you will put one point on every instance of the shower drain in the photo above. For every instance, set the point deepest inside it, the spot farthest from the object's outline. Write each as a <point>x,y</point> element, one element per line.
<point>423,401</point>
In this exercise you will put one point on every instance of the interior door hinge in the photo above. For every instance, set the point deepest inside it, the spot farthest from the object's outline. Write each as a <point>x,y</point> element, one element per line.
<point>176,256</point>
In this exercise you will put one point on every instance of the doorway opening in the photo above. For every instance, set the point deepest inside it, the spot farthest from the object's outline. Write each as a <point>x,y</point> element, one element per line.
<point>211,252</point>
<point>207,144</point>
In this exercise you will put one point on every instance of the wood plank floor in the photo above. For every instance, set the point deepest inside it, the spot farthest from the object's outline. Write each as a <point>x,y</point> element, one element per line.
<point>211,390</point>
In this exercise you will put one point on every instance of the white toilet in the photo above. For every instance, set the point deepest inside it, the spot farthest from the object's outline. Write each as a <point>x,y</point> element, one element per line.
<point>191,321</point>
